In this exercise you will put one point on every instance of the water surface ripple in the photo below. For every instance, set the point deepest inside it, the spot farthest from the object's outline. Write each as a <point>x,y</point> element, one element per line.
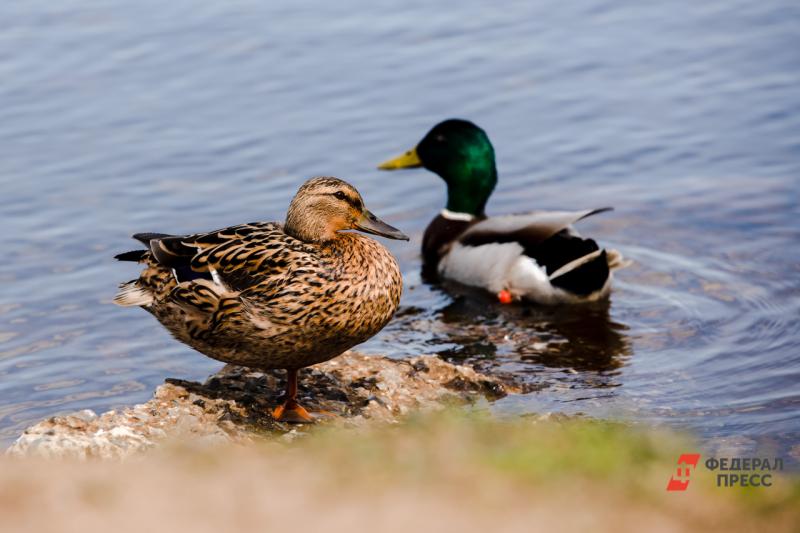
<point>178,117</point>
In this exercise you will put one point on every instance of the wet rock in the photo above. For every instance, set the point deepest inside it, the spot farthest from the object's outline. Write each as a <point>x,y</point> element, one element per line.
<point>235,406</point>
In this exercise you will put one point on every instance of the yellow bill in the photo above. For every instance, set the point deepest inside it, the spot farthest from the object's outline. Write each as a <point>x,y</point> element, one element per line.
<point>409,159</point>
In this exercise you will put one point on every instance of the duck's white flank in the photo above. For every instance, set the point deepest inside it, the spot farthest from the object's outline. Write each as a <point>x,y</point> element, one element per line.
<point>504,266</point>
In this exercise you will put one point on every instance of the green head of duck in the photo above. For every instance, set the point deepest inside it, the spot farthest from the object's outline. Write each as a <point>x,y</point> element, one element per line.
<point>462,155</point>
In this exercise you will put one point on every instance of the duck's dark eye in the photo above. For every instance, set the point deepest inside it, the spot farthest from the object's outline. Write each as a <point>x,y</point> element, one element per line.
<point>340,195</point>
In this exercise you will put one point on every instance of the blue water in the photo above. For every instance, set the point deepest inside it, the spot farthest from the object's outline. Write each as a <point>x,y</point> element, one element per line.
<point>186,116</point>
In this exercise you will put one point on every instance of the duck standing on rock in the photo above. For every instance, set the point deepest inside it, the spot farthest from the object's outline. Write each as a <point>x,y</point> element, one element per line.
<point>535,256</point>
<point>268,295</point>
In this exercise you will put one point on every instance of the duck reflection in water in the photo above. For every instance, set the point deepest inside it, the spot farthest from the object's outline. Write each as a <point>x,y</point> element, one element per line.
<point>528,339</point>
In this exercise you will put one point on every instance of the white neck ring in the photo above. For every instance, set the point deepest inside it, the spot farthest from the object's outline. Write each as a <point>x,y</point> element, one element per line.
<point>452,215</point>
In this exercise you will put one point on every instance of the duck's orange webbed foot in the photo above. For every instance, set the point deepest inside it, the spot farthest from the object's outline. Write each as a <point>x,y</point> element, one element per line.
<point>291,411</point>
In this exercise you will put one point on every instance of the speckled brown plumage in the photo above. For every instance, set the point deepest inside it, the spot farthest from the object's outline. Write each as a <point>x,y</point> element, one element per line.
<point>259,296</point>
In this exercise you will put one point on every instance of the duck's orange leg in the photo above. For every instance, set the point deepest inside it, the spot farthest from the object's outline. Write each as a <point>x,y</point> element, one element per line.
<point>504,297</point>
<point>291,411</point>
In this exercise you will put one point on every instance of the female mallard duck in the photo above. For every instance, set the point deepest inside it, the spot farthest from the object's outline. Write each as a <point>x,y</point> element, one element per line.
<point>536,256</point>
<point>266,295</point>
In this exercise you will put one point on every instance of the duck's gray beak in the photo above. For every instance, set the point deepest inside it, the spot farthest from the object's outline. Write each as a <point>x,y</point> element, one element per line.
<point>369,223</point>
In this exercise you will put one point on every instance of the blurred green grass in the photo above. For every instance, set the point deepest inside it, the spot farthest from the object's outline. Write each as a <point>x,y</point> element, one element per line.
<point>634,461</point>
<point>447,471</point>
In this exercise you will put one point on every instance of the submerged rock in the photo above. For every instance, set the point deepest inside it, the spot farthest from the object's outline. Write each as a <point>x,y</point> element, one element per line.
<point>234,405</point>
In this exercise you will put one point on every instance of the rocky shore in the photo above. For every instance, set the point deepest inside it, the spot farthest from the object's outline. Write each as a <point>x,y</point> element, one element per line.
<point>234,405</point>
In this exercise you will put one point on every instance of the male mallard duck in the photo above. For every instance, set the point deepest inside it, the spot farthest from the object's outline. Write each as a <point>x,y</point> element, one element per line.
<point>535,256</point>
<point>266,295</point>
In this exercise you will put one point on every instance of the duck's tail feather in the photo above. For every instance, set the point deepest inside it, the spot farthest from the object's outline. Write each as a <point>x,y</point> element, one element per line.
<point>134,255</point>
<point>145,238</point>
<point>132,294</point>
<point>616,261</point>
<point>575,263</point>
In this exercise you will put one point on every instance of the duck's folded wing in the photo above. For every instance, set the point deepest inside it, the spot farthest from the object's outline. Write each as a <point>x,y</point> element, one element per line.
<point>177,250</point>
<point>529,228</point>
<point>237,257</point>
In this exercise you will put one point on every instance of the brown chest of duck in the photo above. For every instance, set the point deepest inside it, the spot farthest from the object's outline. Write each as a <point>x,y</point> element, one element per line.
<point>268,295</point>
<point>536,256</point>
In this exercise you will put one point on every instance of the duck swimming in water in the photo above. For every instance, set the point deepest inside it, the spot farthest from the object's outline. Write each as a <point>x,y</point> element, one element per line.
<point>536,256</point>
<point>268,295</point>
